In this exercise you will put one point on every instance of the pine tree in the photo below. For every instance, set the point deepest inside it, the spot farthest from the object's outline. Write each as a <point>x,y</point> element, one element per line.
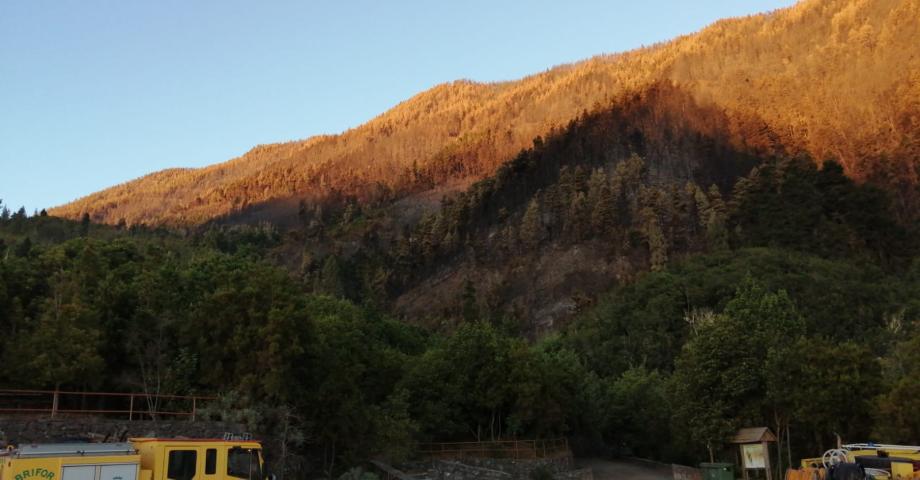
<point>580,179</point>
<point>531,231</point>
<point>716,202</point>
<point>622,211</point>
<point>427,237</point>
<point>451,240</point>
<point>600,203</point>
<point>631,172</point>
<point>602,214</point>
<point>378,285</point>
<point>439,229</point>
<point>84,225</point>
<point>657,243</point>
<point>576,220</point>
<point>331,281</point>
<point>566,189</point>
<point>716,232</point>
<point>18,221</point>
<point>689,209</point>
<point>741,190</point>
<point>404,253</point>
<point>23,248</point>
<point>702,202</point>
<point>596,184</point>
<point>468,299</point>
<point>553,213</point>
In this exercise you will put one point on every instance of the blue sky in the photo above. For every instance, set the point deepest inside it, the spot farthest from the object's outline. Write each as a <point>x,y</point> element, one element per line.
<point>95,93</point>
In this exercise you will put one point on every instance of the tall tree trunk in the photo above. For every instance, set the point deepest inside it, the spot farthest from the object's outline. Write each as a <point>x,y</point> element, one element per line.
<point>780,431</point>
<point>789,443</point>
<point>492,426</point>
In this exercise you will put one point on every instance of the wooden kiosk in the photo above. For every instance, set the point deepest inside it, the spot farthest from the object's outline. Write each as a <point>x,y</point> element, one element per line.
<point>754,449</point>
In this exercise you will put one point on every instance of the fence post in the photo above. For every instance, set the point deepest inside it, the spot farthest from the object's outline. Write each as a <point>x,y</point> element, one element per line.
<point>194,407</point>
<point>54,403</point>
<point>131,408</point>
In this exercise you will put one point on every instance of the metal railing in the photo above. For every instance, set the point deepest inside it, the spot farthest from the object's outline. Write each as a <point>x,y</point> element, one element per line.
<point>515,449</point>
<point>133,406</point>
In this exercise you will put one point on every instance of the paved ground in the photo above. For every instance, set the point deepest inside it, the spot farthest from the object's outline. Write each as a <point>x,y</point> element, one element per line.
<point>618,470</point>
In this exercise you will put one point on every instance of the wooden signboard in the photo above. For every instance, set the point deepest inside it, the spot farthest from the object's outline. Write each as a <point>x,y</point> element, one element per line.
<point>753,449</point>
<point>753,456</point>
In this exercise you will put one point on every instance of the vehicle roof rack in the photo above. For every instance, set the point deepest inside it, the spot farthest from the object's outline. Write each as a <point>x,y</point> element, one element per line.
<point>879,446</point>
<point>73,449</point>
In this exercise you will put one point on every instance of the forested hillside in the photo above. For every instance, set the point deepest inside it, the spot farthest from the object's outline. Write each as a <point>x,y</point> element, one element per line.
<point>833,79</point>
<point>134,309</point>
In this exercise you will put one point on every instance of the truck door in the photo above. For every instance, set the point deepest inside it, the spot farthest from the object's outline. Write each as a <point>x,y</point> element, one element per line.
<point>244,463</point>
<point>181,464</point>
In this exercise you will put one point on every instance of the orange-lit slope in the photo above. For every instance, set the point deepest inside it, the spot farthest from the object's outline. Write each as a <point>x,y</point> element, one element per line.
<point>835,78</point>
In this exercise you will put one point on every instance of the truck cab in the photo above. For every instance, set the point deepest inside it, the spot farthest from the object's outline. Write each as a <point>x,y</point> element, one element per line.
<point>200,459</point>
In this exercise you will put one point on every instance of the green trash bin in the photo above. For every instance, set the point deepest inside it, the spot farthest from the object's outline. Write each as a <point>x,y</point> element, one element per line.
<point>718,471</point>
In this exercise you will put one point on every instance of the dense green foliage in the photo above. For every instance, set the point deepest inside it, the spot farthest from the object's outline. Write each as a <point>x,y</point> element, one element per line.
<point>801,314</point>
<point>804,324</point>
<point>137,311</point>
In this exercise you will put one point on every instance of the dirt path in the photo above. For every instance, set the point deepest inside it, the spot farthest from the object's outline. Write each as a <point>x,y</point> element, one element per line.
<point>619,470</point>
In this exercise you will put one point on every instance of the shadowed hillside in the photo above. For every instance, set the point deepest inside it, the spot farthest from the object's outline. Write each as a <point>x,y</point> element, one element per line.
<point>836,79</point>
<point>615,193</point>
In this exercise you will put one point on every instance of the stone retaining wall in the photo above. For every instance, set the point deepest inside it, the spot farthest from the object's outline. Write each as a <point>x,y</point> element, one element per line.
<point>22,429</point>
<point>451,470</point>
<point>501,469</point>
<point>580,474</point>
<point>522,468</point>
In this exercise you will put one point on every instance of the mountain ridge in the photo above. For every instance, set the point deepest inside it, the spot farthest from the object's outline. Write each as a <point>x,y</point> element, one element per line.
<point>863,112</point>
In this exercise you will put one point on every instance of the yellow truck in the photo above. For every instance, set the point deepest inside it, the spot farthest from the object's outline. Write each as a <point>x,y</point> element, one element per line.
<point>138,459</point>
<point>871,460</point>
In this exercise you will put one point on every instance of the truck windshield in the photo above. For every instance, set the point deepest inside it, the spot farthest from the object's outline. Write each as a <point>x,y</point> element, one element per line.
<point>244,463</point>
